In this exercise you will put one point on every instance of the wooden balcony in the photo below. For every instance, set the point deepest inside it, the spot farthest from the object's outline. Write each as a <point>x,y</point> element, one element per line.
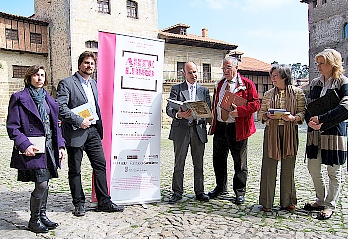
<point>23,34</point>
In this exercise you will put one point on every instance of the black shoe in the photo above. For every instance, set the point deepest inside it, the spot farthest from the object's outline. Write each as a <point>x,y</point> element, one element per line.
<point>35,224</point>
<point>311,207</point>
<point>79,210</point>
<point>175,198</point>
<point>202,197</point>
<point>110,207</point>
<point>215,193</point>
<point>239,200</point>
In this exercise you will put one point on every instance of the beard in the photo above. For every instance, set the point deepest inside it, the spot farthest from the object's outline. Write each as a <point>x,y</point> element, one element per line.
<point>87,72</point>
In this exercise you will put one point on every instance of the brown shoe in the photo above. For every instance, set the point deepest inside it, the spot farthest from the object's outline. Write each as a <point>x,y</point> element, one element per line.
<point>266,209</point>
<point>291,208</point>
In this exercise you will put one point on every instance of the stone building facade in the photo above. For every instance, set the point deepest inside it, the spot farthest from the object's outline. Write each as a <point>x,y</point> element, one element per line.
<point>74,26</point>
<point>328,28</point>
<point>66,28</point>
<point>22,42</point>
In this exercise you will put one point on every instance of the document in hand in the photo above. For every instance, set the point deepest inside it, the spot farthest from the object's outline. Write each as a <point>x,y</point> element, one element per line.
<point>85,111</point>
<point>278,112</point>
<point>200,109</point>
<point>230,98</point>
<point>323,104</point>
<point>39,142</point>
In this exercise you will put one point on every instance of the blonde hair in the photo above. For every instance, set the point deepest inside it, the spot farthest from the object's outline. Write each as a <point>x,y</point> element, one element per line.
<point>333,58</point>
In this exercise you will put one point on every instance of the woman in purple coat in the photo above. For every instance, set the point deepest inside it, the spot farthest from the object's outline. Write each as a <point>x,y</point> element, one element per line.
<point>33,113</point>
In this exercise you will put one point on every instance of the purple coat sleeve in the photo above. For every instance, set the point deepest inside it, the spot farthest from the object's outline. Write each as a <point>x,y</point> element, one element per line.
<point>23,120</point>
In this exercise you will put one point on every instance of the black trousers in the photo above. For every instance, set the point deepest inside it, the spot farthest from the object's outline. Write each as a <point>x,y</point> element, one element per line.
<point>224,140</point>
<point>95,153</point>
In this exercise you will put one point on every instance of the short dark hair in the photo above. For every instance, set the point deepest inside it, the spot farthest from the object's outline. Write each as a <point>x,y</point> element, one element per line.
<point>284,71</point>
<point>87,54</point>
<point>32,71</point>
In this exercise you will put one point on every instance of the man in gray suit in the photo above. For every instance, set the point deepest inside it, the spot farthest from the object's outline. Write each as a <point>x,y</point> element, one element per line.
<point>84,134</point>
<point>185,133</point>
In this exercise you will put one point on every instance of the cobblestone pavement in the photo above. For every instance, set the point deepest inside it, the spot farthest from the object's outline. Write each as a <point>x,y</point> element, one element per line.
<point>188,219</point>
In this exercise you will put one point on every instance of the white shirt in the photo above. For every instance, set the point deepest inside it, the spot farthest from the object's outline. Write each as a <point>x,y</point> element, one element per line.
<point>192,92</point>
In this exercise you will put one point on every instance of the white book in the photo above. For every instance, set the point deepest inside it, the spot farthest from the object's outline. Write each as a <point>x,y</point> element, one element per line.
<point>39,142</point>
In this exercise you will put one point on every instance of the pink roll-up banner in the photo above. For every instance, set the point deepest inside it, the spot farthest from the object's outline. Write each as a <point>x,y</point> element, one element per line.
<point>130,98</point>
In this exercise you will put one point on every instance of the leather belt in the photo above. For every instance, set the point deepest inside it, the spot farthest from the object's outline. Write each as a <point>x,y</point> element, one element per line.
<point>225,123</point>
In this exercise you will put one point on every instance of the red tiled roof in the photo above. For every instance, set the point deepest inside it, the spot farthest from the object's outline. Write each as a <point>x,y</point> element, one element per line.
<point>176,25</point>
<point>252,64</point>
<point>172,35</point>
<point>194,37</point>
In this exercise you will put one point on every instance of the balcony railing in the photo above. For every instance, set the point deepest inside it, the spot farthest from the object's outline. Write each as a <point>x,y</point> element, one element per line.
<point>174,76</point>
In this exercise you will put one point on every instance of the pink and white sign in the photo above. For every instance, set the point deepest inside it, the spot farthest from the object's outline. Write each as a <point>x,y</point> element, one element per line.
<point>130,97</point>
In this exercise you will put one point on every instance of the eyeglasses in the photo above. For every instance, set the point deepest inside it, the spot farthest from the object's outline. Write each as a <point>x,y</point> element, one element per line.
<point>227,68</point>
<point>319,63</point>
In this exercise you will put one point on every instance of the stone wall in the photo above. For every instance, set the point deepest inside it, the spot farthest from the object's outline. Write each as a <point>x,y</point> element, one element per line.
<point>179,53</point>
<point>8,84</point>
<point>326,30</point>
<point>56,12</point>
<point>73,22</point>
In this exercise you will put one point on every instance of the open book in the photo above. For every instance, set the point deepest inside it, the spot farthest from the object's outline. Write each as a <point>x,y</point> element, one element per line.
<point>200,109</point>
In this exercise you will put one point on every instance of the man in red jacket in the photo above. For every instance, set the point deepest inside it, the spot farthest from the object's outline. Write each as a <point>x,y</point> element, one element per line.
<point>232,128</point>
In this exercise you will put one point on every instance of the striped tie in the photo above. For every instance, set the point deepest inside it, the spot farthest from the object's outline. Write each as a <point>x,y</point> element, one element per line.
<point>225,113</point>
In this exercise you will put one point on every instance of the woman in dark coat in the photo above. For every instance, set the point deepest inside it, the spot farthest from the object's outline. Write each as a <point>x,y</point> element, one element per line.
<point>327,146</point>
<point>32,112</point>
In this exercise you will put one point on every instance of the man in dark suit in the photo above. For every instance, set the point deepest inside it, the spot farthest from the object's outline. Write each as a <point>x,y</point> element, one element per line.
<point>84,134</point>
<point>185,132</point>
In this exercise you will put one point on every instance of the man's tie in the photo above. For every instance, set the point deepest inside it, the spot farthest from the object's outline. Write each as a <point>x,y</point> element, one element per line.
<point>191,99</point>
<point>191,93</point>
<point>224,113</point>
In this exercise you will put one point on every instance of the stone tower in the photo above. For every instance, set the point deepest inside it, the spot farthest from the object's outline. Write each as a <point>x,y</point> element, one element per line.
<point>328,28</point>
<point>74,27</point>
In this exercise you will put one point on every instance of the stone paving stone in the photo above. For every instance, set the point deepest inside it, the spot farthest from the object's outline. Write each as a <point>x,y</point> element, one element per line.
<point>189,218</point>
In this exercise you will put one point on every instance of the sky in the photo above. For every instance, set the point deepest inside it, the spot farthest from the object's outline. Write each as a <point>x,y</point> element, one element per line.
<point>268,30</point>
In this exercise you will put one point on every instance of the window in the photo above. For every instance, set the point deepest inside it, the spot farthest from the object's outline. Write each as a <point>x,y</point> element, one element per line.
<point>206,73</point>
<point>91,44</point>
<point>345,34</point>
<point>183,31</point>
<point>265,88</point>
<point>315,4</point>
<point>180,70</point>
<point>95,73</point>
<point>19,71</point>
<point>104,6</point>
<point>132,9</point>
<point>35,38</point>
<point>11,34</point>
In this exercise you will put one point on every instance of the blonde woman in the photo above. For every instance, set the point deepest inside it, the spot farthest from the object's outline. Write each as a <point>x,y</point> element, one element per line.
<point>329,147</point>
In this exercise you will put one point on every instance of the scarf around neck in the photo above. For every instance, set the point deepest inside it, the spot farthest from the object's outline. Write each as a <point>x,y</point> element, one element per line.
<point>290,141</point>
<point>38,97</point>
